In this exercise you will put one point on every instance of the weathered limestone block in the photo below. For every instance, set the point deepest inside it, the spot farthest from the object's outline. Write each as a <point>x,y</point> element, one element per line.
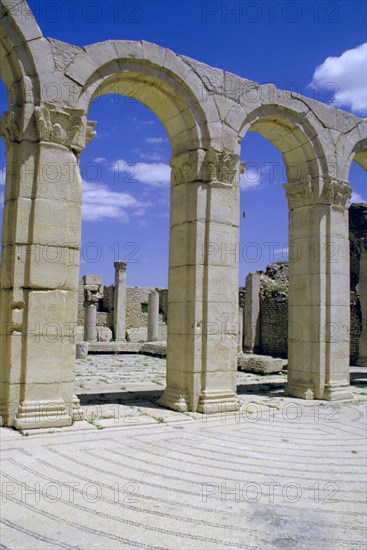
<point>104,334</point>
<point>154,348</point>
<point>259,364</point>
<point>137,334</point>
<point>82,349</point>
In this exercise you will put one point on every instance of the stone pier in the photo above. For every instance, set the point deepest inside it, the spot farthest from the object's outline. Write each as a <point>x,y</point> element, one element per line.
<point>119,314</point>
<point>153,316</point>
<point>252,313</point>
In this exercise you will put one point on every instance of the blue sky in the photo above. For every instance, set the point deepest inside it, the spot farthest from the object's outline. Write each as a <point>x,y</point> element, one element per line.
<point>125,169</point>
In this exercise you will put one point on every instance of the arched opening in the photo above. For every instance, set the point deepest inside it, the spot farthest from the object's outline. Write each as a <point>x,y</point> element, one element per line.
<point>175,106</point>
<point>263,258</point>
<point>125,218</point>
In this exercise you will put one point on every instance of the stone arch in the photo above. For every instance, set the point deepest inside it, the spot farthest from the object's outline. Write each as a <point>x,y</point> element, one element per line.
<point>153,76</point>
<point>353,147</point>
<point>293,134</point>
<point>24,53</point>
<point>318,286</point>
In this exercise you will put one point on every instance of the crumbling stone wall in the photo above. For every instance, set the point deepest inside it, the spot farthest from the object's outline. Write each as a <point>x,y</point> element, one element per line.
<point>355,326</point>
<point>274,323</point>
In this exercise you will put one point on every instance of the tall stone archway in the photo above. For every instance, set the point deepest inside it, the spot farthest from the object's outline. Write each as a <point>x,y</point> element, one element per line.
<point>319,309</point>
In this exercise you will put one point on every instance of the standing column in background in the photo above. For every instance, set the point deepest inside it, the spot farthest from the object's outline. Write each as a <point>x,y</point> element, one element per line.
<point>119,314</point>
<point>93,292</point>
<point>153,315</point>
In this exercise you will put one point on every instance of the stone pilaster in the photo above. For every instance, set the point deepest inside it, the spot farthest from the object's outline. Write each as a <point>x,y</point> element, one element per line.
<point>203,283</point>
<point>319,308</point>
<point>153,315</point>
<point>119,312</point>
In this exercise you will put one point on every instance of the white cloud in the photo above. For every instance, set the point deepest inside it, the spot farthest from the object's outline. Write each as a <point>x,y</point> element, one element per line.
<point>250,179</point>
<point>356,197</point>
<point>348,74</point>
<point>2,176</point>
<point>154,140</point>
<point>155,174</point>
<point>99,159</point>
<point>155,156</point>
<point>99,203</point>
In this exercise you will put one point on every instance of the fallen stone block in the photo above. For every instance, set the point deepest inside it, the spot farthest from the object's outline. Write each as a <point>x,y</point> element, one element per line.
<point>82,349</point>
<point>259,364</point>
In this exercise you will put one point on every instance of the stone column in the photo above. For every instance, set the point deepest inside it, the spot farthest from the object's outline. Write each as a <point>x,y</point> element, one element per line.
<point>240,329</point>
<point>362,359</point>
<point>93,293</point>
<point>90,321</point>
<point>252,313</point>
<point>203,283</point>
<point>319,301</point>
<point>153,316</point>
<point>40,267</point>
<point>119,312</point>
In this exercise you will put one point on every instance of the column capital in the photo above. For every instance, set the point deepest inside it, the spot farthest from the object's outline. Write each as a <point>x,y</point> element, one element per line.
<point>9,127</point>
<point>67,127</point>
<point>328,191</point>
<point>211,166</point>
<point>336,192</point>
<point>120,266</point>
<point>93,288</point>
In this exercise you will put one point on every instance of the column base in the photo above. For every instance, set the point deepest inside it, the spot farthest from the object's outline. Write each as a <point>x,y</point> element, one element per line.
<point>302,392</point>
<point>174,399</point>
<point>77,410</point>
<point>362,362</point>
<point>338,392</point>
<point>218,401</point>
<point>42,414</point>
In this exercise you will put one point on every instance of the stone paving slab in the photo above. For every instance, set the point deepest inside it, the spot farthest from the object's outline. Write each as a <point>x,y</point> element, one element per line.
<point>280,473</point>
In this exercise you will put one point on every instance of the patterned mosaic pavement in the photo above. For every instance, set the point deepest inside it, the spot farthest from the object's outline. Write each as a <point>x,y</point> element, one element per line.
<point>280,473</point>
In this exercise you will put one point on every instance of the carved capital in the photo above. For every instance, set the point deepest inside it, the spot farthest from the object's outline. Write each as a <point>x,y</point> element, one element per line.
<point>120,266</point>
<point>67,127</point>
<point>221,167</point>
<point>186,167</point>
<point>300,193</point>
<point>209,166</point>
<point>93,288</point>
<point>9,128</point>
<point>336,192</point>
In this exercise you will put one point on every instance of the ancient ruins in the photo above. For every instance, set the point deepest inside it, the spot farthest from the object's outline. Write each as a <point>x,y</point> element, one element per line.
<point>206,113</point>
